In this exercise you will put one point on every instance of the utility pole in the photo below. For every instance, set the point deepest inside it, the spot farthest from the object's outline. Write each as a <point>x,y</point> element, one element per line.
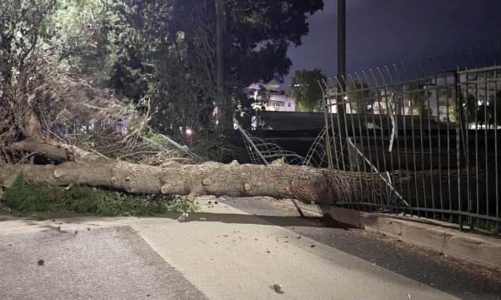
<point>220,94</point>
<point>341,75</point>
<point>341,42</point>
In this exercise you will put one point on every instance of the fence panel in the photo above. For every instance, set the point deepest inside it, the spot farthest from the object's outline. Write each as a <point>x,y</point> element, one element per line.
<point>433,142</point>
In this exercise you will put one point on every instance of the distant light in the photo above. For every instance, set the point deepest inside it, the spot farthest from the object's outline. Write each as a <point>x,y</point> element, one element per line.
<point>189,131</point>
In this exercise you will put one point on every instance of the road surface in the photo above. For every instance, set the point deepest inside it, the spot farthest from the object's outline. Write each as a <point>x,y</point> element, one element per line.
<point>227,253</point>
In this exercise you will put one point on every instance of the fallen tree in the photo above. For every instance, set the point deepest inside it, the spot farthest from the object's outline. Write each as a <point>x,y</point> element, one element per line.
<point>279,180</point>
<point>58,152</point>
<point>63,116</point>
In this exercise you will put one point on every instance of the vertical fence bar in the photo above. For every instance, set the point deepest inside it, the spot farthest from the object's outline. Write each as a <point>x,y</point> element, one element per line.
<point>486,143</point>
<point>343,129</point>
<point>360,128</point>
<point>382,131</point>
<point>465,113</point>
<point>398,113</point>
<point>399,106</point>
<point>330,123</point>
<point>379,141</point>
<point>374,124</point>
<point>406,149</point>
<point>339,97</point>
<point>367,132</point>
<point>424,111</point>
<point>497,97</point>
<point>458,146</point>
<point>414,163</point>
<point>346,136</point>
<point>477,175</point>
<point>389,155</point>
<point>333,129</point>
<point>439,138</point>
<point>448,153</point>
<point>430,147</point>
<point>354,134</point>
<point>390,108</point>
<point>381,123</point>
<point>327,126</point>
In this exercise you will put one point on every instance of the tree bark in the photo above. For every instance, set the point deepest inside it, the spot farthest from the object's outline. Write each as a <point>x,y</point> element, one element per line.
<point>279,181</point>
<point>56,151</point>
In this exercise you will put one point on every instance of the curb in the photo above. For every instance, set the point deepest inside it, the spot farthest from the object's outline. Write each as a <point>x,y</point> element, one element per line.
<point>436,236</point>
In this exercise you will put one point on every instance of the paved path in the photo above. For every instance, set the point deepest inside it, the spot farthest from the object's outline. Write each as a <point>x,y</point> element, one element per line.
<point>222,259</point>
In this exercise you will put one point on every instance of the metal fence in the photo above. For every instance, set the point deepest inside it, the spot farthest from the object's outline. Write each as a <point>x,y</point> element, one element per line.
<point>432,142</point>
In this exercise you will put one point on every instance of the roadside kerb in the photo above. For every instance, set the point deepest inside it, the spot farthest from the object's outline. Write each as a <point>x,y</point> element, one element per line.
<point>432,235</point>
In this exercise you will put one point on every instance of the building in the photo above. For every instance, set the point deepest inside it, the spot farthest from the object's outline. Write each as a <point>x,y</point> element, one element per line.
<point>269,97</point>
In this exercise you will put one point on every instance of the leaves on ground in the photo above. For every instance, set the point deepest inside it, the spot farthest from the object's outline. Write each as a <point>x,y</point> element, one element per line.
<point>26,198</point>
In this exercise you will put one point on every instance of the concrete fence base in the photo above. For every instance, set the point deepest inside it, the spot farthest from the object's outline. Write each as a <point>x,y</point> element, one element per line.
<point>436,236</point>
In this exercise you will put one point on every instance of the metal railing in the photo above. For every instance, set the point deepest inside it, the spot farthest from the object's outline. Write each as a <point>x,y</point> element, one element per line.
<point>433,143</point>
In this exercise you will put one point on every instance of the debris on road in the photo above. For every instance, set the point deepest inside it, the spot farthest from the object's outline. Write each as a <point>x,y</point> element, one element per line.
<point>183,217</point>
<point>278,288</point>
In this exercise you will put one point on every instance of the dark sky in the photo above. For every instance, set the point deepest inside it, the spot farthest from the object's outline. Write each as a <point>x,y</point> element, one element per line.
<point>387,31</point>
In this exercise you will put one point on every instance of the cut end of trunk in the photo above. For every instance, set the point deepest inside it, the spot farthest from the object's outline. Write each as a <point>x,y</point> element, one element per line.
<point>165,189</point>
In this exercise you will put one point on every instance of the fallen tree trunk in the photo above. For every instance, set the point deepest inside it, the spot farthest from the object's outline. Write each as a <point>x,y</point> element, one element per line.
<point>279,181</point>
<point>58,152</point>
<point>48,150</point>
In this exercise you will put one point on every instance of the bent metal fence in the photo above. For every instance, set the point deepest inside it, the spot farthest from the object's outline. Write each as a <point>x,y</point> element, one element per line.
<point>434,143</point>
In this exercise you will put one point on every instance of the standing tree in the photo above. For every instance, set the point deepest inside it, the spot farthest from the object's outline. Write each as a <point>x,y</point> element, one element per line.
<point>307,90</point>
<point>181,70</point>
<point>23,36</point>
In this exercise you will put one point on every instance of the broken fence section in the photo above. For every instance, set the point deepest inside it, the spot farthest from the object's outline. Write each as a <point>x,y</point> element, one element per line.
<point>434,143</point>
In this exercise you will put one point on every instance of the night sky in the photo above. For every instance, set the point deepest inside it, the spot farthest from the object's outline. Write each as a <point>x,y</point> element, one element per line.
<point>387,31</point>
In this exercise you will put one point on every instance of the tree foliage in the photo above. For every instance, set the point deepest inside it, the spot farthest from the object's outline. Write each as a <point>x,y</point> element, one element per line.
<point>166,51</point>
<point>482,112</point>
<point>307,90</point>
<point>24,32</point>
<point>158,55</point>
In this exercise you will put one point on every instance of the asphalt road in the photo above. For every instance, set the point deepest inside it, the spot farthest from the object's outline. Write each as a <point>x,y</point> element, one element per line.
<point>233,249</point>
<point>465,281</point>
<point>104,263</point>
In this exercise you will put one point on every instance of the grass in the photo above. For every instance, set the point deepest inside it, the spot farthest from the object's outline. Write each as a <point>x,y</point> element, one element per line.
<point>26,198</point>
